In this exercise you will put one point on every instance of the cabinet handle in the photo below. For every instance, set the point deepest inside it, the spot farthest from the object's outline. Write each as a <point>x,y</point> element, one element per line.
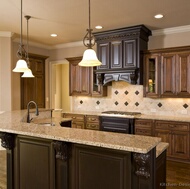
<point>92,119</point>
<point>73,117</point>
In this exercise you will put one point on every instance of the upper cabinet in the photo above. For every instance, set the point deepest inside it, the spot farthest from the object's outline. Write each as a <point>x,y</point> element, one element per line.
<point>119,51</point>
<point>83,81</point>
<point>167,73</point>
<point>79,78</point>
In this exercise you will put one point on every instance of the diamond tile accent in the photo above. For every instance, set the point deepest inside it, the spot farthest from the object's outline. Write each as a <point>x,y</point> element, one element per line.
<point>126,103</point>
<point>81,102</point>
<point>159,104</point>
<point>116,103</point>
<point>98,102</point>
<point>126,92</point>
<point>136,92</point>
<point>116,92</point>
<point>136,104</point>
<point>185,106</point>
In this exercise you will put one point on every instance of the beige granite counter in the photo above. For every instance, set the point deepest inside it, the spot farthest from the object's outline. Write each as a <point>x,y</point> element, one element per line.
<point>12,122</point>
<point>182,118</point>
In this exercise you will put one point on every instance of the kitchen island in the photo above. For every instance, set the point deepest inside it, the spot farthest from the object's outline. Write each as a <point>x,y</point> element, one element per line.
<point>55,157</point>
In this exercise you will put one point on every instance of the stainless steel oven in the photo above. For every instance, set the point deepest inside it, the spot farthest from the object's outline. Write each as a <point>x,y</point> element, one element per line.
<point>118,121</point>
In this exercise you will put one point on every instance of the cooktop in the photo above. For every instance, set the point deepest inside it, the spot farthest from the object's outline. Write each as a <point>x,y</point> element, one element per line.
<point>121,113</point>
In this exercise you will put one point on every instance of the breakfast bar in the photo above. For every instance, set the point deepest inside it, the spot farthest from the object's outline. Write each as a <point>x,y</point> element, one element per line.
<point>55,157</point>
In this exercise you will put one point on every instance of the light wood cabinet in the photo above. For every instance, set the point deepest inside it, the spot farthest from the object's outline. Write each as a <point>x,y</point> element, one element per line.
<point>167,73</point>
<point>92,122</point>
<point>177,135</point>
<point>78,120</point>
<point>144,127</point>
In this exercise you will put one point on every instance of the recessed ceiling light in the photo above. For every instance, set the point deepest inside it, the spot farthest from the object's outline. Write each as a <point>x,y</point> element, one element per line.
<point>158,16</point>
<point>98,27</point>
<point>53,35</point>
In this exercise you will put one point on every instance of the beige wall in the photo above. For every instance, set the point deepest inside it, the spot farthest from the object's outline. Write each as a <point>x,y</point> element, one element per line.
<point>170,40</point>
<point>5,73</point>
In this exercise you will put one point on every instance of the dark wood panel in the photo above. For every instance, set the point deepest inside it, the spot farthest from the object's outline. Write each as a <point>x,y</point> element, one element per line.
<point>116,54</point>
<point>34,163</point>
<point>96,168</point>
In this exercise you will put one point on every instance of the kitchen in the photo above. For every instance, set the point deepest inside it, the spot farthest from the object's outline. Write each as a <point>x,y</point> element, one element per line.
<point>119,93</point>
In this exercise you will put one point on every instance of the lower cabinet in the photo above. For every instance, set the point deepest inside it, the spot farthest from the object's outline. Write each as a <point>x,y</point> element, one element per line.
<point>36,155</point>
<point>92,122</point>
<point>78,120</point>
<point>82,121</point>
<point>177,135</point>
<point>144,127</point>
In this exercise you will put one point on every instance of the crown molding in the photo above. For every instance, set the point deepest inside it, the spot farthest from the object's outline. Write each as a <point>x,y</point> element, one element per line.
<point>173,30</point>
<point>6,34</point>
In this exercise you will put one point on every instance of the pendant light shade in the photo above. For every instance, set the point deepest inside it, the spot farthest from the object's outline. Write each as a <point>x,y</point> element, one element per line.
<point>89,56</point>
<point>21,66</point>
<point>28,73</point>
<point>89,59</point>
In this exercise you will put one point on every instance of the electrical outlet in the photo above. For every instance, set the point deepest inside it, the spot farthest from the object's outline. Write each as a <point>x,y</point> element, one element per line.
<point>153,110</point>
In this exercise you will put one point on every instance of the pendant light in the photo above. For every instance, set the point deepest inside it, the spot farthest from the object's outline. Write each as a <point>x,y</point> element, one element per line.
<point>89,57</point>
<point>28,72</point>
<point>21,64</point>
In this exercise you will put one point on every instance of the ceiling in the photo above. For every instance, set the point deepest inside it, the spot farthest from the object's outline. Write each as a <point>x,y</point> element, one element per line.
<point>69,18</point>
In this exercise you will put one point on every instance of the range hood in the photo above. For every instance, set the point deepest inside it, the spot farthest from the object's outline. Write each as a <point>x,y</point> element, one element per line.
<point>120,52</point>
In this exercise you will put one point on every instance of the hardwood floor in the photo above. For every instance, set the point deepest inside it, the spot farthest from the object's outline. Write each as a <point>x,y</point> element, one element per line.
<point>3,169</point>
<point>178,174</point>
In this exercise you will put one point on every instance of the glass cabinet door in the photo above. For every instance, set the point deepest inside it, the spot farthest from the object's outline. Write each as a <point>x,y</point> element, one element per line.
<point>151,82</point>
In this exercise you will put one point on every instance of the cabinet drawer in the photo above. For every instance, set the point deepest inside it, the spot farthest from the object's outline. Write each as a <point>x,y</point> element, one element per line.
<point>92,118</point>
<point>77,124</point>
<point>143,131</point>
<point>94,126</point>
<point>182,126</point>
<point>144,123</point>
<point>74,117</point>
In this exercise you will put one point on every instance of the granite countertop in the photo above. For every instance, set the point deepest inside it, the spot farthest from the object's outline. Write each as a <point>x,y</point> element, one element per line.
<point>182,118</point>
<point>11,122</point>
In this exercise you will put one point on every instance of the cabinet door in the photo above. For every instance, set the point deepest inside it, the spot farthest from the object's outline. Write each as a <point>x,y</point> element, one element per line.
<point>34,88</point>
<point>103,55</point>
<point>168,75</point>
<point>152,76</point>
<point>79,78</point>
<point>166,137</point>
<point>116,54</point>
<point>34,163</point>
<point>130,57</point>
<point>183,74</point>
<point>180,144</point>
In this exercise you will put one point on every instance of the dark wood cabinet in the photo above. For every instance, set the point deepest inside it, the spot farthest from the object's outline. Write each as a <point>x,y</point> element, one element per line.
<point>119,51</point>
<point>167,73</point>
<point>36,155</point>
<point>34,88</point>
<point>103,54</point>
<point>79,79</point>
<point>177,135</point>
<point>144,127</point>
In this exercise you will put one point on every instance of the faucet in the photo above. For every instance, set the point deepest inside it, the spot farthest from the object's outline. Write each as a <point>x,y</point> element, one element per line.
<point>28,108</point>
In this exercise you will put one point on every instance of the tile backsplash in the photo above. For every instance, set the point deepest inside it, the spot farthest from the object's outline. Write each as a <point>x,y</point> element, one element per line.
<point>123,96</point>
